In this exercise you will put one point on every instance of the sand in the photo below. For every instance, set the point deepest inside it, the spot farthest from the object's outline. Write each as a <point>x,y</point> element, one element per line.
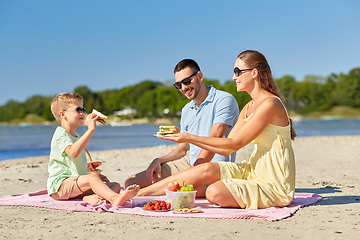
<point>325,165</point>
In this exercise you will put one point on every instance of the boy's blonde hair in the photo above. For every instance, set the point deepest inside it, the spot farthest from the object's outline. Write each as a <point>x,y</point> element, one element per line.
<point>62,101</point>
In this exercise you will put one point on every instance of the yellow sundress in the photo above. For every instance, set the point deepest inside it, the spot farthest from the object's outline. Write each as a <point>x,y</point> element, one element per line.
<point>268,178</point>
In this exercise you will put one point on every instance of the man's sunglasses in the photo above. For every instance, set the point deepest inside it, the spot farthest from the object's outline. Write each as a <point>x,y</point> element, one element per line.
<point>238,71</point>
<point>78,109</point>
<point>185,81</point>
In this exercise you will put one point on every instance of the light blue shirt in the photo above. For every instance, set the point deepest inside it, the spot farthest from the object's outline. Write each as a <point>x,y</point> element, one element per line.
<point>218,107</point>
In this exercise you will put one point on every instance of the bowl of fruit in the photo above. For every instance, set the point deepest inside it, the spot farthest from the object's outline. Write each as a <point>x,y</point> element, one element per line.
<point>180,196</point>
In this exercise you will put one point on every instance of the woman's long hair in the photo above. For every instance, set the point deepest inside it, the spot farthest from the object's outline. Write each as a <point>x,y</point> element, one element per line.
<point>255,59</point>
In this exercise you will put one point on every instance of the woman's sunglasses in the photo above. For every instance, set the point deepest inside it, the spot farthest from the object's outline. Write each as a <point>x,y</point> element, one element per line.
<point>185,81</point>
<point>78,109</point>
<point>238,71</point>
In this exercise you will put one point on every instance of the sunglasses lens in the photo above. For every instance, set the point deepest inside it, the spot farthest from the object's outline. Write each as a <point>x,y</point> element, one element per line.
<point>186,81</point>
<point>177,85</point>
<point>80,110</point>
<point>237,71</point>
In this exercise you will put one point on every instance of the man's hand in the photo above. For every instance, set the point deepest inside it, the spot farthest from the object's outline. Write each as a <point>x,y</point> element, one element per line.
<point>153,172</point>
<point>104,178</point>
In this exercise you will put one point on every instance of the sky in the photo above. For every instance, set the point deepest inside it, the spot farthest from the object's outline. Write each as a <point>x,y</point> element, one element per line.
<point>49,47</point>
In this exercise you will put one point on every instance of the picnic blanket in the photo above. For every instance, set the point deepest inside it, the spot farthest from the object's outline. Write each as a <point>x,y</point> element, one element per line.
<point>41,199</point>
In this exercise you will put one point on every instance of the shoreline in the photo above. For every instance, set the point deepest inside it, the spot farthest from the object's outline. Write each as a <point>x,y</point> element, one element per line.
<point>113,121</point>
<point>164,145</point>
<point>325,165</point>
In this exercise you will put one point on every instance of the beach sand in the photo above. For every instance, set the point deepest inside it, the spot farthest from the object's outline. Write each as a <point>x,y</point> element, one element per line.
<point>325,165</point>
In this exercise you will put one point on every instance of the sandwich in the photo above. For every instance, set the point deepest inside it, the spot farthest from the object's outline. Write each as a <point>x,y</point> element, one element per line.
<point>101,118</point>
<point>167,130</point>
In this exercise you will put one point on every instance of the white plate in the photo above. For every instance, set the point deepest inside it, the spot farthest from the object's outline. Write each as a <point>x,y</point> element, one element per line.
<point>165,210</point>
<point>169,135</point>
<point>187,212</point>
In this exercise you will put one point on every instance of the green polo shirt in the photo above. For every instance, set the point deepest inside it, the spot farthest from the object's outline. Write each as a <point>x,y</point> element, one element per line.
<point>62,166</point>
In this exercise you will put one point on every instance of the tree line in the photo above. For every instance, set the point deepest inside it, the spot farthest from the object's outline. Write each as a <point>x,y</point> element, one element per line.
<point>150,98</point>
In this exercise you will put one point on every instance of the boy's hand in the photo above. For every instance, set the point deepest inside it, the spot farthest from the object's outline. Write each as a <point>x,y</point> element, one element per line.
<point>91,121</point>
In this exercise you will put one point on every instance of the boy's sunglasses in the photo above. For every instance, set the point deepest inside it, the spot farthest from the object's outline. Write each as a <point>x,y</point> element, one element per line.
<point>185,81</point>
<point>238,71</point>
<point>78,109</point>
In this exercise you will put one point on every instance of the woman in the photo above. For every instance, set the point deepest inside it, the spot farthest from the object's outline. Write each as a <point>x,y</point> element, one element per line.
<point>268,179</point>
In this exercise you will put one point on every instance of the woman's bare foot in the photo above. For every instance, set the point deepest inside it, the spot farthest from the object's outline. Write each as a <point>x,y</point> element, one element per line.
<point>129,193</point>
<point>92,199</point>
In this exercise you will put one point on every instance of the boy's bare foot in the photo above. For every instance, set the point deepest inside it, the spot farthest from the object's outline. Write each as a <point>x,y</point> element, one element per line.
<point>92,199</point>
<point>129,193</point>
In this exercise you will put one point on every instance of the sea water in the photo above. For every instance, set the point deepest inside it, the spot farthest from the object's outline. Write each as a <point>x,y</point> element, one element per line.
<point>27,141</point>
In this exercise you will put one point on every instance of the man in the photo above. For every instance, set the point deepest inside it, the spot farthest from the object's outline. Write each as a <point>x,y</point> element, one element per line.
<point>211,113</point>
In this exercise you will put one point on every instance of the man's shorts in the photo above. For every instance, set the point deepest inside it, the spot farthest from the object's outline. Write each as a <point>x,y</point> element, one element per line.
<point>173,167</point>
<point>68,189</point>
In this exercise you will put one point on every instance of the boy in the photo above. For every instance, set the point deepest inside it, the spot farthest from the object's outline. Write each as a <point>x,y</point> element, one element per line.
<point>68,176</point>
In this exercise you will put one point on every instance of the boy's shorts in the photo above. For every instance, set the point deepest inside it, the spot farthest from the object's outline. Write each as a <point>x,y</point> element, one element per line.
<point>68,189</point>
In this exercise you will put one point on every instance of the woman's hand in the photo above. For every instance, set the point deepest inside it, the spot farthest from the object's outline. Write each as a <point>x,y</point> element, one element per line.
<point>178,138</point>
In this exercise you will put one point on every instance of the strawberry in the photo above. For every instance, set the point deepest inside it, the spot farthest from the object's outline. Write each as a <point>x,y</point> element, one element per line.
<point>168,206</point>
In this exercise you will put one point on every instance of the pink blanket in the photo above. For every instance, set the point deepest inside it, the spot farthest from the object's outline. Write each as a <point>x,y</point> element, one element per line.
<point>41,199</point>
